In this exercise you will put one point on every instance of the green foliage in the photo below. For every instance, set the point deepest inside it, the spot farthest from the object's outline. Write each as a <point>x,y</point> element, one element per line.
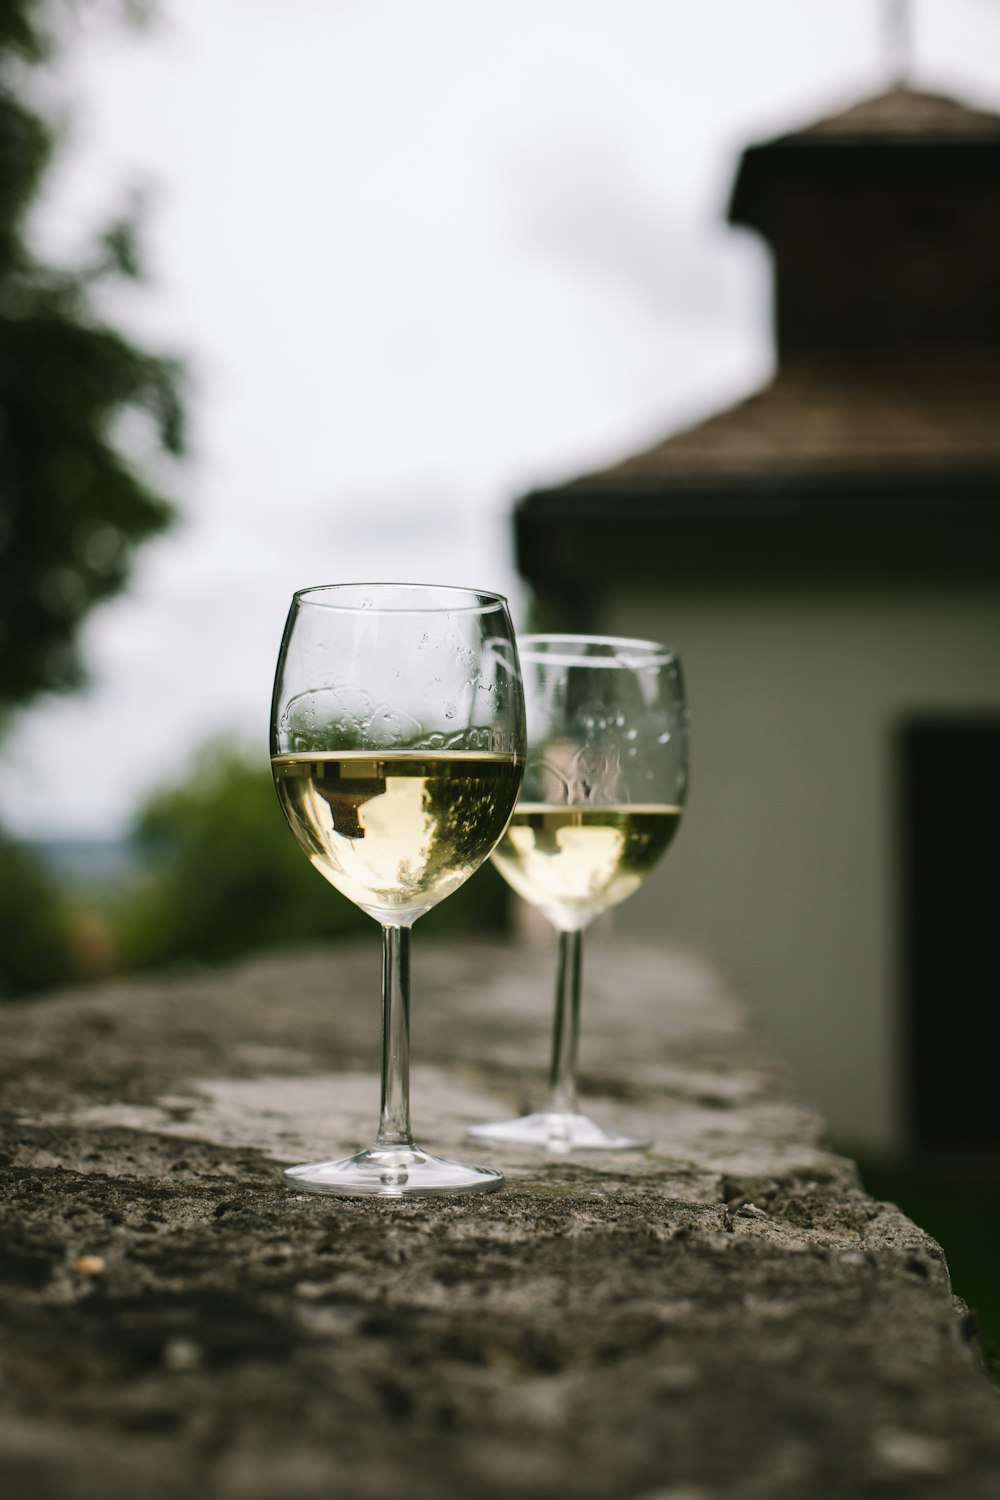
<point>36,940</point>
<point>960,1208</point>
<point>73,507</point>
<point>226,876</point>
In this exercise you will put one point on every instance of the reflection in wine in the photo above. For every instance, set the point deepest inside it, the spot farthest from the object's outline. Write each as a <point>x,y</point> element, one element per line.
<point>573,863</point>
<point>396,833</point>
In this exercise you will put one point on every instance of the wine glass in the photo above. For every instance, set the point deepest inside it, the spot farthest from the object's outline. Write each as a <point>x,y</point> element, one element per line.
<point>602,797</point>
<point>397,749</point>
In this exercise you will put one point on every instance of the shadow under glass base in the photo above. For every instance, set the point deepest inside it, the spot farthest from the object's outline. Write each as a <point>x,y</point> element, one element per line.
<point>392,1172</point>
<point>558,1131</point>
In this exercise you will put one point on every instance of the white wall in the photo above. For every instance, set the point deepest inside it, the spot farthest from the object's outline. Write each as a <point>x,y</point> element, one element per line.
<point>786,867</point>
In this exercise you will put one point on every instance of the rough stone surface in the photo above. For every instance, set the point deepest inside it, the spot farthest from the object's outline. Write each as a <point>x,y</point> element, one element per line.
<point>728,1318</point>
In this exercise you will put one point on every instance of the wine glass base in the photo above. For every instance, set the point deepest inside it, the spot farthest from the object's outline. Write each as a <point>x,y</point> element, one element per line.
<point>558,1131</point>
<point>392,1172</point>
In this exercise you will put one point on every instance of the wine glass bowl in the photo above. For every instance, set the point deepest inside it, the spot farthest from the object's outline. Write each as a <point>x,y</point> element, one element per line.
<point>603,795</point>
<point>397,750</point>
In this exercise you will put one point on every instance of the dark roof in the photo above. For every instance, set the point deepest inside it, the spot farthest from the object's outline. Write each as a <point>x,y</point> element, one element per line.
<point>863,457</point>
<point>904,114</point>
<point>884,416</point>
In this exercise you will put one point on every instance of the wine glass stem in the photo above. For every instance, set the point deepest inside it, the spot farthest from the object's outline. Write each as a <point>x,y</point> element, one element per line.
<point>566,1031</point>
<point>394,1119</point>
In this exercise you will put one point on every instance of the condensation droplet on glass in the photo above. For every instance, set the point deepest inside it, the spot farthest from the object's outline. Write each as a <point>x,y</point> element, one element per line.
<point>664,738</point>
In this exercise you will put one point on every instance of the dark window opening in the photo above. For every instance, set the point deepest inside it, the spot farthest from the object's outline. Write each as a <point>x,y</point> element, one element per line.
<point>949,779</point>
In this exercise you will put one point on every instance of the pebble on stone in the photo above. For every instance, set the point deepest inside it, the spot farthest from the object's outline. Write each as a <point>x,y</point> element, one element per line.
<point>89,1265</point>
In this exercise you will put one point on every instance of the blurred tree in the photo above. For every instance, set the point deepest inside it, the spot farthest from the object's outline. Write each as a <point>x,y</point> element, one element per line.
<point>73,506</point>
<point>225,874</point>
<point>36,939</point>
<point>227,877</point>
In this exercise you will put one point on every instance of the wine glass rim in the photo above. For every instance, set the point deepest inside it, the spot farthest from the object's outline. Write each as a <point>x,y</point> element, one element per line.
<point>482,601</point>
<point>651,653</point>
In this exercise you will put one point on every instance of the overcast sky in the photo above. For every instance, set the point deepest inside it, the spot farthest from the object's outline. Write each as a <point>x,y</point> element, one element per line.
<point>419,258</point>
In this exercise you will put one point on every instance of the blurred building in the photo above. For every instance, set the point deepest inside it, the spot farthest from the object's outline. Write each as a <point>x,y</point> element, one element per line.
<point>826,555</point>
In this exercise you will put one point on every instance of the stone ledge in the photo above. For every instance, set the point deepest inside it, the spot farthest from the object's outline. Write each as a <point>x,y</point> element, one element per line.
<point>727,1318</point>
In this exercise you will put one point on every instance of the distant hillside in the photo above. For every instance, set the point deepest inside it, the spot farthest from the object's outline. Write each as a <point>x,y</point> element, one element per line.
<point>87,862</point>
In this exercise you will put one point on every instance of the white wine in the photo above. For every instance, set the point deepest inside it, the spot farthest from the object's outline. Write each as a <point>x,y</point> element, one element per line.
<point>396,833</point>
<point>574,862</point>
